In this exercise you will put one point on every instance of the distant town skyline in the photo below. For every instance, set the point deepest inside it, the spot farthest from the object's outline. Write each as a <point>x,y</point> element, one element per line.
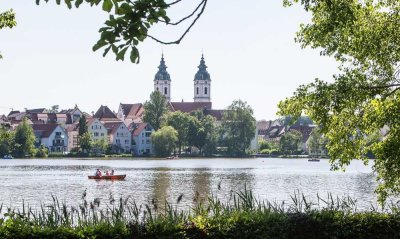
<point>250,54</point>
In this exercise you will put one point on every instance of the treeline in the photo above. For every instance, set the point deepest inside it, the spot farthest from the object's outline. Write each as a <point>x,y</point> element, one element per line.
<point>20,142</point>
<point>178,132</point>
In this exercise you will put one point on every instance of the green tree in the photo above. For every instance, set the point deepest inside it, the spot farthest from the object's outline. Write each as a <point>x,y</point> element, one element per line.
<point>289,143</point>
<point>130,21</point>
<point>317,142</point>
<point>24,140</point>
<point>7,19</point>
<point>100,145</point>
<point>54,109</point>
<point>42,152</point>
<point>180,122</point>
<point>364,37</point>
<point>82,125</point>
<point>238,127</point>
<point>269,145</point>
<point>6,142</point>
<point>164,140</point>
<point>155,109</point>
<point>202,133</point>
<point>86,142</point>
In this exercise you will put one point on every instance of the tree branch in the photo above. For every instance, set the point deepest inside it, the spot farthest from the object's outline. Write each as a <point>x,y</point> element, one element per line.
<point>185,18</point>
<point>172,3</point>
<point>203,4</point>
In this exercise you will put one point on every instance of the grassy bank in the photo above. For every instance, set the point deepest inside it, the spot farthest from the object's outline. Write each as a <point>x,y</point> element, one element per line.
<point>240,217</point>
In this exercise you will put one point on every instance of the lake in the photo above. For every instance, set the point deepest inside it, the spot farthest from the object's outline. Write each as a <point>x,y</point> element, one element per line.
<point>35,180</point>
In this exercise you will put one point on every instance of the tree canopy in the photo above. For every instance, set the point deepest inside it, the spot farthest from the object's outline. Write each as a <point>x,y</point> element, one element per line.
<point>164,140</point>
<point>7,19</point>
<point>155,109</point>
<point>129,23</point>
<point>238,127</point>
<point>364,37</point>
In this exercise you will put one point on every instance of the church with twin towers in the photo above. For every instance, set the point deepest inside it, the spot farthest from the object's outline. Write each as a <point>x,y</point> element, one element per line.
<point>201,82</point>
<point>201,90</point>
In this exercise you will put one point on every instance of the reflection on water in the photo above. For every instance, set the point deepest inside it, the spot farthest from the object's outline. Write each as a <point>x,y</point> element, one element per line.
<point>274,179</point>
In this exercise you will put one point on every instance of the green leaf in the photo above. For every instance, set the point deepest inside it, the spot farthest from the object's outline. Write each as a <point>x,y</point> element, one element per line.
<point>134,55</point>
<point>121,54</point>
<point>99,45</point>
<point>107,5</point>
<point>78,3</point>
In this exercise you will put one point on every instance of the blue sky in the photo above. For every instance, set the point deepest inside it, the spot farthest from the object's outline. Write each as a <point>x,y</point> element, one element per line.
<point>248,46</point>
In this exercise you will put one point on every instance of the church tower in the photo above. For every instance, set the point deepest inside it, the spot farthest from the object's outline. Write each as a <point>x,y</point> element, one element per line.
<point>202,83</point>
<point>162,80</point>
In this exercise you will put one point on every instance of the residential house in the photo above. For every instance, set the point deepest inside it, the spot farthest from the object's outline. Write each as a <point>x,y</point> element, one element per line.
<point>97,129</point>
<point>141,139</point>
<point>119,136</point>
<point>104,114</point>
<point>52,136</point>
<point>73,136</point>
<point>130,113</point>
<point>73,115</point>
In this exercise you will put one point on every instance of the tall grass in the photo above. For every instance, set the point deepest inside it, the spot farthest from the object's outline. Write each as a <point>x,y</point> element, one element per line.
<point>207,218</point>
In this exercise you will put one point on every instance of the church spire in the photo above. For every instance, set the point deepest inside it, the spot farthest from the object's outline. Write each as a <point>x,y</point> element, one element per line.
<point>202,73</point>
<point>202,83</point>
<point>162,80</point>
<point>162,73</point>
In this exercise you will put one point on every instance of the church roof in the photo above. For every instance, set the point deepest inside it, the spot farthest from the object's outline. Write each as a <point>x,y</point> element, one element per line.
<point>188,107</point>
<point>162,73</point>
<point>202,73</point>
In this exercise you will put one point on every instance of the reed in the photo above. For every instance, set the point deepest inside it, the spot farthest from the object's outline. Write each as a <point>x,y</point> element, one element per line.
<point>242,213</point>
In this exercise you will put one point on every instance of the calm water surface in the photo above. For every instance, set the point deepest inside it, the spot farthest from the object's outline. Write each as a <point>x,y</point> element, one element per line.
<point>35,180</point>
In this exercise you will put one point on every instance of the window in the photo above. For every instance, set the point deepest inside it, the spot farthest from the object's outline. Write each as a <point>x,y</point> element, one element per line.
<point>126,141</point>
<point>92,126</point>
<point>157,89</point>
<point>102,134</point>
<point>165,91</point>
<point>58,133</point>
<point>147,141</point>
<point>197,90</point>
<point>205,91</point>
<point>96,133</point>
<point>117,141</point>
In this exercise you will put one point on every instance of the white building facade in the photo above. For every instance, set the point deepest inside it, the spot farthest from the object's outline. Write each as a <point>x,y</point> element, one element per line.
<point>142,139</point>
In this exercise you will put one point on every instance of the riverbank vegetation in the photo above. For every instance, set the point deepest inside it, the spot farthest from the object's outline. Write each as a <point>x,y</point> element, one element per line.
<point>242,216</point>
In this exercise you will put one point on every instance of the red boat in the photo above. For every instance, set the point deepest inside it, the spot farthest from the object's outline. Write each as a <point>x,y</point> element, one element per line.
<point>111,177</point>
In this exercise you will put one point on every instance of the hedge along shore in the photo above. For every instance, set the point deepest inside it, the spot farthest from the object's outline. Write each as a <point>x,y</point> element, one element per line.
<point>242,216</point>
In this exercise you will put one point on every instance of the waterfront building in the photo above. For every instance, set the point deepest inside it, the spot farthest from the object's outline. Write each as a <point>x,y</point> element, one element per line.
<point>119,137</point>
<point>97,129</point>
<point>52,136</point>
<point>141,139</point>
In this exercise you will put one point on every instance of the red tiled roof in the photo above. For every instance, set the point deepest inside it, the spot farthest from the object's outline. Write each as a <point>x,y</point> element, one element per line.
<point>126,108</point>
<point>104,113</point>
<point>188,107</point>
<point>44,130</point>
<point>72,127</point>
<point>217,114</point>
<point>139,128</point>
<point>112,127</point>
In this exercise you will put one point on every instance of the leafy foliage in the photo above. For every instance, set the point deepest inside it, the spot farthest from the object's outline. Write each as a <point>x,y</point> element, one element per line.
<point>180,122</point>
<point>317,142</point>
<point>86,142</point>
<point>83,128</point>
<point>364,37</point>
<point>6,142</point>
<point>289,143</point>
<point>164,140</point>
<point>155,109</point>
<point>238,127</point>
<point>24,139</point>
<point>130,21</point>
<point>42,152</point>
<point>7,19</point>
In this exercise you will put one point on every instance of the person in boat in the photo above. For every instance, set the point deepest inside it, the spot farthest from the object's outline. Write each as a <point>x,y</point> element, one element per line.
<point>112,172</point>
<point>98,173</point>
<point>107,173</point>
